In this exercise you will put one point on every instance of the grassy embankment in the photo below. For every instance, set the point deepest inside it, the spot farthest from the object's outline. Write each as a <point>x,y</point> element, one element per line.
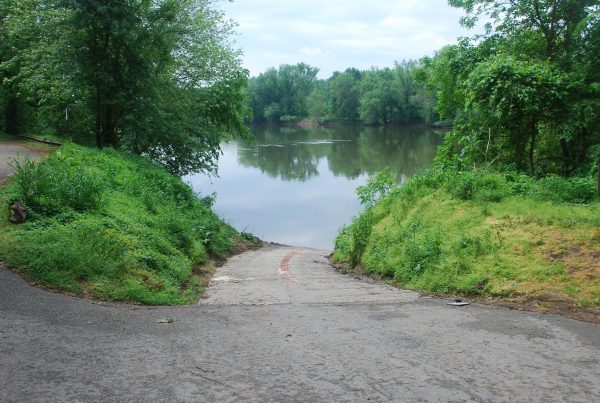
<point>481,234</point>
<point>112,226</point>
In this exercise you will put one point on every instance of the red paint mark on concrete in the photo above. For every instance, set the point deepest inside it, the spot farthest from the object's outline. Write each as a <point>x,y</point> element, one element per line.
<point>284,267</point>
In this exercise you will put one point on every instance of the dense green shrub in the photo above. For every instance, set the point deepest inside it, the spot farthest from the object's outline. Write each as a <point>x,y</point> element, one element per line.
<point>493,186</point>
<point>57,184</point>
<point>573,190</point>
<point>111,225</point>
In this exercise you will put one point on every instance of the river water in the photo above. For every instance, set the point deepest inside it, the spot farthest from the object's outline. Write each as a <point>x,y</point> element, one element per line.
<point>296,186</point>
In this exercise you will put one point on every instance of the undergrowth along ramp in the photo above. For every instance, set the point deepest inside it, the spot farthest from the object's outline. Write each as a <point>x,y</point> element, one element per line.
<point>482,234</point>
<point>110,225</point>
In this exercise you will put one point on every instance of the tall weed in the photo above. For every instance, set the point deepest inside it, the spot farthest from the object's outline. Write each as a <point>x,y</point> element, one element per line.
<point>54,185</point>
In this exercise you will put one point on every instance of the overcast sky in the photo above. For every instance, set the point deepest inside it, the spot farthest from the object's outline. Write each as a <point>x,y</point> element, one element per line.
<point>336,34</point>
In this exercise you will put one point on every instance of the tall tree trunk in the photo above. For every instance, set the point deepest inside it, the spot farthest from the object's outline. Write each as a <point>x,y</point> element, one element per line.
<point>99,118</point>
<point>564,146</point>
<point>520,147</point>
<point>533,130</point>
<point>599,178</point>
<point>109,127</point>
<point>12,116</point>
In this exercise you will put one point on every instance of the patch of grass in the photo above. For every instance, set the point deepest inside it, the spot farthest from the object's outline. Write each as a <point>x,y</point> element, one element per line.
<point>57,185</point>
<point>482,233</point>
<point>112,226</point>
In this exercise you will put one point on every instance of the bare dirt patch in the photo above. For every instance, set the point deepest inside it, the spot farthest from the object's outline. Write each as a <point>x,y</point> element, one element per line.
<point>581,261</point>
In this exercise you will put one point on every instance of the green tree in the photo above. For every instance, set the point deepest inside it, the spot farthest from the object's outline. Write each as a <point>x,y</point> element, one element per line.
<point>264,96</point>
<point>37,69</point>
<point>405,88</point>
<point>156,77</point>
<point>557,22</point>
<point>446,72</point>
<point>526,91</point>
<point>344,92</point>
<point>317,102</point>
<point>296,82</point>
<point>376,97</point>
<point>282,93</point>
<point>392,96</point>
<point>514,101</point>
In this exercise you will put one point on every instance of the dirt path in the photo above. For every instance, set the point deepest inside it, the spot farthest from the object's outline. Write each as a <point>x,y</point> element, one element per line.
<point>279,324</point>
<point>9,151</point>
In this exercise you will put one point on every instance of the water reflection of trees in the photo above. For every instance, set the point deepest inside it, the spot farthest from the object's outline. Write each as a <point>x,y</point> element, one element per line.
<point>292,153</point>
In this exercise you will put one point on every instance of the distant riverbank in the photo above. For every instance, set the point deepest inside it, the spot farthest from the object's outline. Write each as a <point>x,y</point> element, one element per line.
<point>307,123</point>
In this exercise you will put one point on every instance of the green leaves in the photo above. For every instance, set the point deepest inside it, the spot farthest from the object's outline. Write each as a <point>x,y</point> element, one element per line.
<point>522,96</point>
<point>377,187</point>
<point>282,93</point>
<point>55,186</point>
<point>515,89</point>
<point>159,78</point>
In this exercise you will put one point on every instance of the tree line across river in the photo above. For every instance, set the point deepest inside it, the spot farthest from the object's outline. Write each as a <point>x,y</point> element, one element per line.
<point>373,97</point>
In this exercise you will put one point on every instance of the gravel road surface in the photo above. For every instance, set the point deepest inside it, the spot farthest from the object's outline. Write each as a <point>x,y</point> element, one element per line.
<point>280,324</point>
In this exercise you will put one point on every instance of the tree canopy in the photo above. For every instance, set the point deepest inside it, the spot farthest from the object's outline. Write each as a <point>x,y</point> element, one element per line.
<point>156,77</point>
<point>160,78</point>
<point>281,94</point>
<point>524,94</point>
<point>374,97</point>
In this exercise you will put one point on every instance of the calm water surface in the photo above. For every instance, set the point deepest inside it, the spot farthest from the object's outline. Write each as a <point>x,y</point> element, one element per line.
<point>297,186</point>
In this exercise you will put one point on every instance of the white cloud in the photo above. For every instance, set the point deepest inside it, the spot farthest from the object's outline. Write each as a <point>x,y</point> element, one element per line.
<point>337,34</point>
<point>311,51</point>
